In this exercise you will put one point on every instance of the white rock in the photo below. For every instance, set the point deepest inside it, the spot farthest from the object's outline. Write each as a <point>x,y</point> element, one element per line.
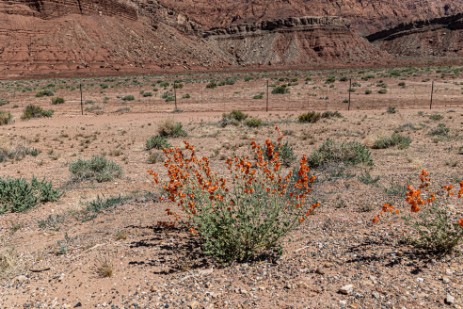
<point>449,299</point>
<point>347,289</point>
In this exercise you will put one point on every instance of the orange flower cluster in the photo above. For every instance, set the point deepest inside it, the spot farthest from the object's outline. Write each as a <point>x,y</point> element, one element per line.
<point>417,198</point>
<point>190,179</point>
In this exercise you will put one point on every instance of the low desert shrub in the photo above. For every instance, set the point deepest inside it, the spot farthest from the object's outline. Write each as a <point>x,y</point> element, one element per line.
<point>345,152</point>
<point>310,117</point>
<point>5,118</point>
<point>97,168</point>
<point>3,101</point>
<point>391,110</point>
<point>18,195</point>
<point>258,96</point>
<point>441,130</point>
<point>436,117</point>
<point>432,224</point>
<point>395,139</point>
<point>157,142</point>
<point>169,128</point>
<point>367,179</point>
<point>253,122</point>
<point>17,153</point>
<point>128,98</point>
<point>34,111</point>
<point>329,114</point>
<point>283,89</point>
<point>243,215</point>
<point>45,93</point>
<point>57,100</point>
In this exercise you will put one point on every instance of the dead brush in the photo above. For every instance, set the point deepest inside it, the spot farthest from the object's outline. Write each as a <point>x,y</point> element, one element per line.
<point>104,268</point>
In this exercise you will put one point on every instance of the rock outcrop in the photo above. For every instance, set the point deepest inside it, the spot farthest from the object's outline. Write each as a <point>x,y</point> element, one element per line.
<point>48,9</point>
<point>436,37</point>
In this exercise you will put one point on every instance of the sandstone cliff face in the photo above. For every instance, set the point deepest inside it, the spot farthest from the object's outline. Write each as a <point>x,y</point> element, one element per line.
<point>367,16</point>
<point>91,38</point>
<point>439,37</point>
<point>308,40</point>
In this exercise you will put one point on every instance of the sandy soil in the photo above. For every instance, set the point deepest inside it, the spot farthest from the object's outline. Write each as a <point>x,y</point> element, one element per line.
<point>55,264</point>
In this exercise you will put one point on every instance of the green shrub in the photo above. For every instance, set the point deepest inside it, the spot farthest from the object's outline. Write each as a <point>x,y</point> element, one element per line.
<point>157,142</point>
<point>343,79</point>
<point>18,153</point>
<point>243,219</point>
<point>253,122</point>
<point>382,91</point>
<point>168,96</point>
<point>34,111</point>
<point>285,153</point>
<point>440,130</point>
<point>368,91</point>
<point>367,179</point>
<point>330,79</point>
<point>128,98</point>
<point>4,101</point>
<point>310,117</point>
<point>18,195</point>
<point>186,96</point>
<point>164,84</point>
<point>259,96</point>
<point>329,115</point>
<point>57,100</point>
<point>100,204</point>
<point>436,117</point>
<point>346,152</point>
<point>432,225</point>
<point>147,94</point>
<point>45,93</point>
<point>402,85</point>
<point>236,115</point>
<point>169,128</point>
<point>211,85</point>
<point>390,141</point>
<point>104,86</point>
<point>391,110</point>
<point>97,168</point>
<point>283,89</point>
<point>5,118</point>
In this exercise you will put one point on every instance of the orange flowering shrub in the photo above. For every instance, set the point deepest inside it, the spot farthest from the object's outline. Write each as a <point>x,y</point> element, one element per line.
<point>244,211</point>
<point>436,227</point>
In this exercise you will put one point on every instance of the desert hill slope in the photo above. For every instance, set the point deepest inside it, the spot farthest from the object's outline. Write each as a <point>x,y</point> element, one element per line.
<point>108,36</point>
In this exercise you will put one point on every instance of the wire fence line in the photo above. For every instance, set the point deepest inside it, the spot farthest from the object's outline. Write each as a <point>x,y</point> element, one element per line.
<point>258,95</point>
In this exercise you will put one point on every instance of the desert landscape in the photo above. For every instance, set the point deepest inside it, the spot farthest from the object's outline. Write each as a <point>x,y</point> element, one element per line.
<point>247,154</point>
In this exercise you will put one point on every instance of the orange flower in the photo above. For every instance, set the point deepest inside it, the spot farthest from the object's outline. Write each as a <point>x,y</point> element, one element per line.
<point>460,222</point>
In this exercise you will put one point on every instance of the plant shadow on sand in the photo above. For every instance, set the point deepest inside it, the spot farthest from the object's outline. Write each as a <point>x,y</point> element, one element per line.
<point>174,250</point>
<point>398,254</point>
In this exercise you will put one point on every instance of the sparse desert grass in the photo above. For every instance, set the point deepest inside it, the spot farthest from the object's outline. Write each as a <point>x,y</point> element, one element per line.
<point>97,168</point>
<point>104,268</point>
